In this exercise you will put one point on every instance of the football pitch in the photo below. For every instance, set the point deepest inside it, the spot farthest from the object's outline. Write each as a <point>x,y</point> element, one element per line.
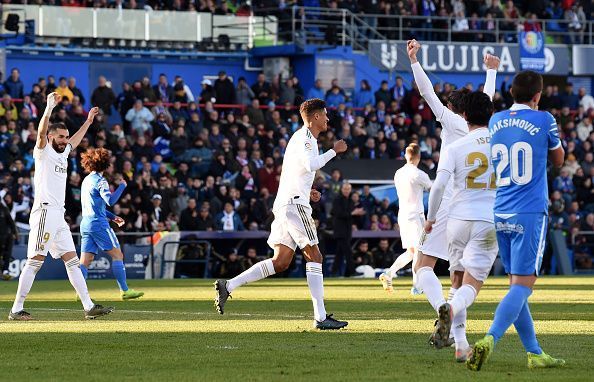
<point>174,334</point>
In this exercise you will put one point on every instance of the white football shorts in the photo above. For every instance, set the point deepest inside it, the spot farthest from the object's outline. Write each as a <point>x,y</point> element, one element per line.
<point>411,230</point>
<point>472,246</point>
<point>49,232</point>
<point>435,244</point>
<point>293,226</point>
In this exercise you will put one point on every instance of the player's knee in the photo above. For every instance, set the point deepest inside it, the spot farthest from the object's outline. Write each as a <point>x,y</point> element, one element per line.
<point>35,264</point>
<point>281,264</point>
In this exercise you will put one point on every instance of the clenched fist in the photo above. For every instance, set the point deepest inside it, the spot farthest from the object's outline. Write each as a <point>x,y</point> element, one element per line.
<point>340,146</point>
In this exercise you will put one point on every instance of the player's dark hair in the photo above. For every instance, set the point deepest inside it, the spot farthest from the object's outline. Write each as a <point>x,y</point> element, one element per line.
<point>456,99</point>
<point>526,85</point>
<point>97,160</point>
<point>478,108</point>
<point>311,106</point>
<point>53,127</point>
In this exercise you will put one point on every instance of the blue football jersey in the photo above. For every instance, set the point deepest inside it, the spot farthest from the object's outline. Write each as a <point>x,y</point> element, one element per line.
<point>95,196</point>
<point>520,142</point>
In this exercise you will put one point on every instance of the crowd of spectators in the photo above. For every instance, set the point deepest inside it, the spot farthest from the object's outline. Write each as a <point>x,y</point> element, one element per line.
<point>193,166</point>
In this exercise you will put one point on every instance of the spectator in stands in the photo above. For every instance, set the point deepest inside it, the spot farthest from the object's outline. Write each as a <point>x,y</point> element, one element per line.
<point>232,266</point>
<point>586,100</point>
<point>564,184</point>
<point>13,86</point>
<point>335,98</point>
<point>76,91</point>
<point>342,213</point>
<point>182,91</point>
<point>382,255</point>
<point>268,176</point>
<point>316,91</point>
<point>262,89</point>
<point>205,220</point>
<point>228,220</point>
<point>569,98</point>
<point>140,119</point>
<point>244,93</point>
<point>163,90</point>
<point>383,94</point>
<point>8,110</point>
<point>63,89</point>
<point>188,220</point>
<point>103,97</point>
<point>224,89</point>
<point>362,256</point>
<point>584,129</point>
<point>364,96</point>
<point>287,92</point>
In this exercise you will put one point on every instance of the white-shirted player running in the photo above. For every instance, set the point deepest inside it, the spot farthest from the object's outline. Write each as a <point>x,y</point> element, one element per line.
<point>410,183</point>
<point>293,225</point>
<point>49,230</point>
<point>471,232</point>
<point>454,127</point>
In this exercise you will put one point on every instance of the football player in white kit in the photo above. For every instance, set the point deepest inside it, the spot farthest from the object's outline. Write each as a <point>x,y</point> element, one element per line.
<point>410,183</point>
<point>434,246</point>
<point>470,230</point>
<point>293,225</point>
<point>49,230</point>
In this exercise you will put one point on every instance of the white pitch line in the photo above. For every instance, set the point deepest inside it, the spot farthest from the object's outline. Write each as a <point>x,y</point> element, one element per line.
<point>178,313</point>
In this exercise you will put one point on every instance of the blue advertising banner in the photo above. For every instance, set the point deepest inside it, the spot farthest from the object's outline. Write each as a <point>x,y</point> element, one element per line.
<point>532,51</point>
<point>52,269</point>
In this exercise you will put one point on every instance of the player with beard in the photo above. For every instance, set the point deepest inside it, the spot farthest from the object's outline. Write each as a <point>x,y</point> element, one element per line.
<point>49,230</point>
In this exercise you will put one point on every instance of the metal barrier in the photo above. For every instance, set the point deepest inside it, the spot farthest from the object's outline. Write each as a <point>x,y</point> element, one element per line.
<point>205,260</point>
<point>326,26</point>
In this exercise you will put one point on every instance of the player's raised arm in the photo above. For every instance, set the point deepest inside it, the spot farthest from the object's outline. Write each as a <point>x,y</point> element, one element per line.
<point>492,64</point>
<point>52,101</point>
<point>80,134</point>
<point>423,82</point>
<point>109,198</point>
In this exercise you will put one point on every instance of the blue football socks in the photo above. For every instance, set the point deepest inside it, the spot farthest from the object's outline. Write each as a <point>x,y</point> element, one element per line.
<point>119,272</point>
<point>525,328</point>
<point>509,310</point>
<point>84,271</point>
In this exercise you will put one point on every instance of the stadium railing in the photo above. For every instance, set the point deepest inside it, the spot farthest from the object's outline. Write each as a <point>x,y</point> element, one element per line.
<point>326,26</point>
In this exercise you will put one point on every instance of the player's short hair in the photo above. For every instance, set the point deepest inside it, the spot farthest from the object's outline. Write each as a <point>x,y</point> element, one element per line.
<point>97,160</point>
<point>311,106</point>
<point>526,85</point>
<point>53,127</point>
<point>478,108</point>
<point>413,151</point>
<point>456,99</point>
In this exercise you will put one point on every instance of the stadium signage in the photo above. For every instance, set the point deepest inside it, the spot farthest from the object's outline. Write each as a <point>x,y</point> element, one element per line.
<point>583,57</point>
<point>462,57</point>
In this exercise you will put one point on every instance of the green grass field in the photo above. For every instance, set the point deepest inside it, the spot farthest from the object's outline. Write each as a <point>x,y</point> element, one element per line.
<point>174,334</point>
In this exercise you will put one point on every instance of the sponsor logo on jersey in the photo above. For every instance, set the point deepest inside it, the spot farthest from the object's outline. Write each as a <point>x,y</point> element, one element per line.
<point>308,146</point>
<point>60,170</point>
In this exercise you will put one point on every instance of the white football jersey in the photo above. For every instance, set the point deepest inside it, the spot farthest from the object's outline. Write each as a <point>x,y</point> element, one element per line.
<point>468,161</point>
<point>51,173</point>
<point>410,183</point>
<point>300,163</point>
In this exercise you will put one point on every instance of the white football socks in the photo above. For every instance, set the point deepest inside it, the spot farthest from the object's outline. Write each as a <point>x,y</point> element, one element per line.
<point>78,282</point>
<point>429,283</point>
<point>25,283</point>
<point>451,293</point>
<point>256,272</point>
<point>315,281</point>
<point>463,298</point>
<point>459,330</point>
<point>400,262</point>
